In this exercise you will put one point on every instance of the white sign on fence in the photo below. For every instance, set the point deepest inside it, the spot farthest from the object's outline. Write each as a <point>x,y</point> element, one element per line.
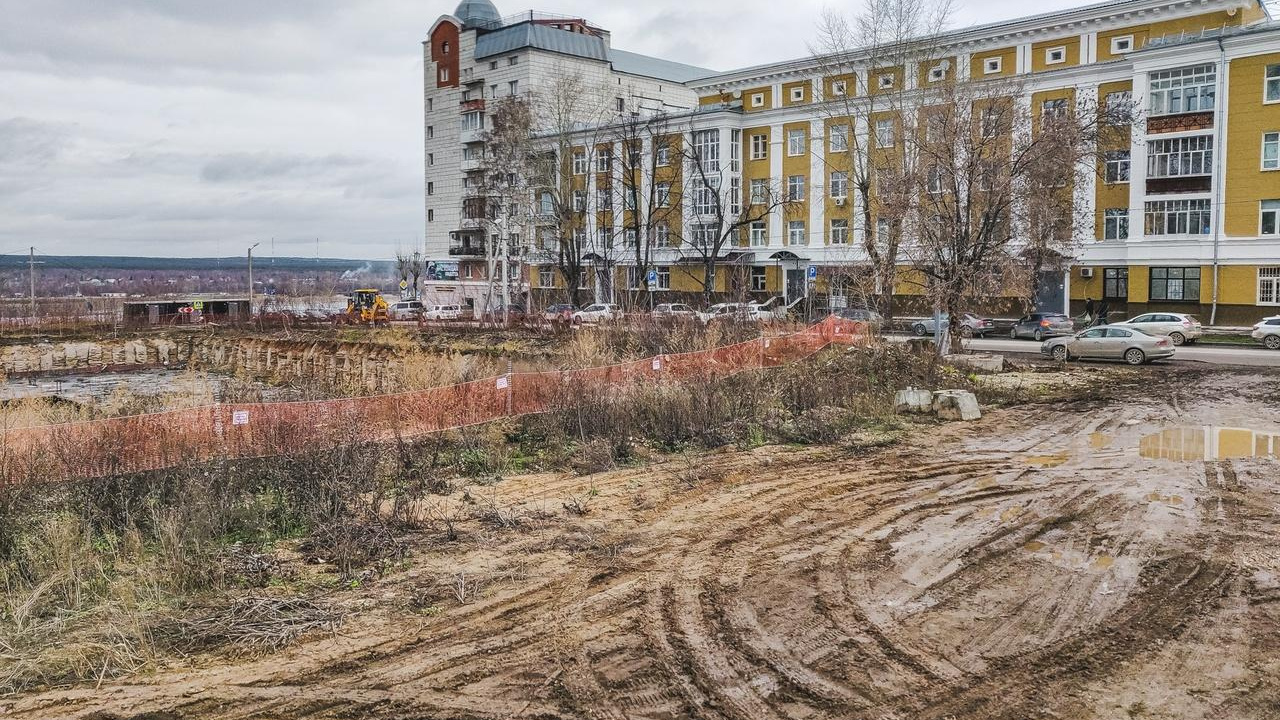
<point>657,363</point>
<point>502,383</point>
<point>240,417</point>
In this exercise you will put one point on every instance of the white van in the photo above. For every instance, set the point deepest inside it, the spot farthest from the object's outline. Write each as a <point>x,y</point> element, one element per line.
<point>443,312</point>
<point>405,310</point>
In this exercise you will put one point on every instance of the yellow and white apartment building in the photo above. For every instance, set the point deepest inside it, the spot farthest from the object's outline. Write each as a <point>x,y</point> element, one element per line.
<point>1186,218</point>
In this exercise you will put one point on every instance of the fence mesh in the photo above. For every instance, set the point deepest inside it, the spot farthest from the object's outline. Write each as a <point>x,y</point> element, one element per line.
<point>154,441</point>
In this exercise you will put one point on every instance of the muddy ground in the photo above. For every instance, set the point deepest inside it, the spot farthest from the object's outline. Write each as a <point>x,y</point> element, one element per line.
<point>1033,564</point>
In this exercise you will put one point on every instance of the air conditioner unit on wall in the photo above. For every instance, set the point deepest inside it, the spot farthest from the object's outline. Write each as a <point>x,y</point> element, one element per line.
<point>1086,272</point>
<point>839,202</point>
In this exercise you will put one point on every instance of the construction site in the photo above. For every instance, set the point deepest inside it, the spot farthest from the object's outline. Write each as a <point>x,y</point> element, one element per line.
<point>629,521</point>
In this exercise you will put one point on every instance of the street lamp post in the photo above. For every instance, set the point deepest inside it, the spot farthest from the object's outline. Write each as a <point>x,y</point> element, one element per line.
<point>250,256</point>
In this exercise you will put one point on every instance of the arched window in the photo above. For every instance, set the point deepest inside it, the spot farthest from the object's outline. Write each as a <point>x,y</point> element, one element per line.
<point>444,47</point>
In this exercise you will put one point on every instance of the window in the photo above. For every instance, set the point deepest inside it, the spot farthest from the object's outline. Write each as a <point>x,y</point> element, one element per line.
<point>579,200</point>
<point>664,277</point>
<point>431,216</point>
<point>444,74</point>
<point>797,94</point>
<point>1179,157</point>
<point>604,236</point>
<point>759,192</point>
<point>839,184</point>
<point>992,119</point>
<point>885,81</point>
<point>758,234</point>
<point>1121,44</point>
<point>1115,283</point>
<point>431,159</point>
<point>884,133</point>
<point>935,180</point>
<point>662,154</point>
<point>991,66</point>
<point>430,104</point>
<point>1270,218</point>
<point>431,131</point>
<point>1115,224</point>
<point>513,60</point>
<point>473,121</point>
<point>704,235</point>
<point>838,88</point>
<point>620,104</point>
<point>937,73</point>
<point>1271,84</point>
<point>604,199</point>
<point>795,232</point>
<point>706,197</point>
<point>795,142</point>
<point>546,276</point>
<point>662,194</point>
<point>706,149</point>
<point>662,235</point>
<point>604,158</point>
<point>735,195</point>
<point>1184,90</point>
<point>840,231</point>
<point>633,156</point>
<point>1175,283</point>
<point>759,279</point>
<point>629,197</point>
<point>735,150</point>
<point>1055,55</point>
<point>1269,286</point>
<point>1053,109</point>
<point>757,100</point>
<point>546,203</point>
<point>513,87</point>
<point>839,138</point>
<point>935,127</point>
<point>884,182</point>
<point>882,228</point>
<point>431,188</point>
<point>1271,151</point>
<point>493,64</point>
<point>629,237</point>
<point>759,147</point>
<point>1118,101</point>
<point>579,163</point>
<point>1177,217</point>
<point>795,188</point>
<point>1117,166</point>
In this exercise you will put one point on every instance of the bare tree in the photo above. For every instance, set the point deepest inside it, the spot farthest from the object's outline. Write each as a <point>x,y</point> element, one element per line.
<point>990,199</point>
<point>716,209</point>
<point>873,66</point>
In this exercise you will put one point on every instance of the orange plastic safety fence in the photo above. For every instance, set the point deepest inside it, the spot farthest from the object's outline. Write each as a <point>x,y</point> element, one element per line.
<point>167,439</point>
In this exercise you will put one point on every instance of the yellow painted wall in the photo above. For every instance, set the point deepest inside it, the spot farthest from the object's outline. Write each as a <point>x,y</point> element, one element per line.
<point>850,84</point>
<point>922,78</point>
<point>804,86</point>
<point>749,106</point>
<point>1085,288</point>
<point>1139,283</point>
<point>1238,284</point>
<point>1039,50</point>
<point>837,162</point>
<point>796,165</point>
<point>1008,59</point>
<point>1191,25</point>
<point>715,98</point>
<point>1247,119</point>
<point>1037,100</point>
<point>1110,195</point>
<point>873,80</point>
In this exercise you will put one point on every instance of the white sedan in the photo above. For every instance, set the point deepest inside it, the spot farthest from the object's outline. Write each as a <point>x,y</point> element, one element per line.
<point>598,312</point>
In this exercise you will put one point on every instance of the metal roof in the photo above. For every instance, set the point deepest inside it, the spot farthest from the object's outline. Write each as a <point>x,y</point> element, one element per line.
<point>636,64</point>
<point>593,47</point>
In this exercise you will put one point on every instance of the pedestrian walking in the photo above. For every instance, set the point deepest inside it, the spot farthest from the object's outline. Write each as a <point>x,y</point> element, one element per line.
<point>1088,311</point>
<point>1103,311</point>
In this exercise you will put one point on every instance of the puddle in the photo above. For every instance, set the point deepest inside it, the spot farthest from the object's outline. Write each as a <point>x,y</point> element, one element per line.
<point>1207,442</point>
<point>1102,562</point>
<point>1046,461</point>
<point>1011,513</point>
<point>985,482</point>
<point>1100,441</point>
<point>1033,546</point>
<point>1170,499</point>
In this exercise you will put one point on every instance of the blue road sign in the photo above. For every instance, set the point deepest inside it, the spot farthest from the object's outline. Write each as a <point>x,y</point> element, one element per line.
<point>813,272</point>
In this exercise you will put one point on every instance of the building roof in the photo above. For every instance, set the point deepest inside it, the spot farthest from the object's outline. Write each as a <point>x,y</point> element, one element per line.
<point>475,13</point>
<point>636,64</point>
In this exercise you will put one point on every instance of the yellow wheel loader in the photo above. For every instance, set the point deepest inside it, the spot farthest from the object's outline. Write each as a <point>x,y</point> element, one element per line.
<point>366,307</point>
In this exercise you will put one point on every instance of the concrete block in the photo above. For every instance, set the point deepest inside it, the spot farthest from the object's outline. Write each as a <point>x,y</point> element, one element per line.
<point>913,400</point>
<point>984,362</point>
<point>956,405</point>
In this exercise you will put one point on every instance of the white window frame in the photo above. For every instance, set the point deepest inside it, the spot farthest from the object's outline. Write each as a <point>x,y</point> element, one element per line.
<point>839,141</point>
<point>704,199</point>
<point>1115,224</point>
<point>661,235</point>
<point>891,132</point>
<point>662,194</point>
<point>884,81</point>
<point>579,162</point>
<point>604,160</point>
<point>1186,156</point>
<point>1272,139</point>
<point>705,145</point>
<point>796,233</point>
<point>1157,214</point>
<point>758,234</point>
<point>937,73</point>
<point>992,65</point>
<point>735,150</point>
<point>933,180</point>
<point>604,199</point>
<point>1181,88</point>
<point>702,235</point>
<point>1055,55</point>
<point>797,94</point>
<point>759,278</point>
<point>839,88</point>
<point>759,146</point>
<point>1116,167</point>
<point>757,100</point>
<point>795,142</point>
<point>546,276</point>
<point>839,185</point>
<point>735,194</point>
<point>795,188</point>
<point>1269,285</point>
<point>662,154</point>
<point>1263,212</point>
<point>1121,44</point>
<point>1271,84</point>
<point>664,277</point>
<point>840,232</point>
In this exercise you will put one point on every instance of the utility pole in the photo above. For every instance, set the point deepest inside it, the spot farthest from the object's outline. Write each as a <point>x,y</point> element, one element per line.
<point>250,256</point>
<point>31,266</point>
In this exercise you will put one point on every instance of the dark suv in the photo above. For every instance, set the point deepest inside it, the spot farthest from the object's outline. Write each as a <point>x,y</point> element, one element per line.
<point>1041,325</point>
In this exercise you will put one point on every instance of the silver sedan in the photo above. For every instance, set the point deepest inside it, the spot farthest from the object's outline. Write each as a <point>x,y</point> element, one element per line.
<point>1109,343</point>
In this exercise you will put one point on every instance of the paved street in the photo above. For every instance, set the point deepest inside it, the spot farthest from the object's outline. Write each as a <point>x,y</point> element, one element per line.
<point>1218,355</point>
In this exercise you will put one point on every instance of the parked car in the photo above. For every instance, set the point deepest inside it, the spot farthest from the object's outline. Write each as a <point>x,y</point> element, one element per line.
<point>1041,325</point>
<point>598,312</point>
<point>562,312</point>
<point>742,312</point>
<point>677,311</point>
<point>1110,342</point>
<point>1179,327</point>
<point>1267,332</point>
<point>970,325</point>
<point>406,310</point>
<point>872,319</point>
<point>443,312</point>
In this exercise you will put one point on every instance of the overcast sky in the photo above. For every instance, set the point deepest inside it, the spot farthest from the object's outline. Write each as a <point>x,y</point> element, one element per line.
<point>197,127</point>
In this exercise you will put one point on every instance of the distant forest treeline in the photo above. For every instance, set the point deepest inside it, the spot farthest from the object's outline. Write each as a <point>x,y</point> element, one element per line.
<point>109,262</point>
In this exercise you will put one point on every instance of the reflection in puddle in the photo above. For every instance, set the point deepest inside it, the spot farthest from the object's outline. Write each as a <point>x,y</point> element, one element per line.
<point>1046,461</point>
<point>1208,443</point>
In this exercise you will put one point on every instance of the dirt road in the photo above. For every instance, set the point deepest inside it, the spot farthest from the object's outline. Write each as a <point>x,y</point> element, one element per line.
<point>1030,565</point>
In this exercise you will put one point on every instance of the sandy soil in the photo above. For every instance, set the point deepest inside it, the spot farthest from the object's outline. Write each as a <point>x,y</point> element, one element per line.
<point>1030,565</point>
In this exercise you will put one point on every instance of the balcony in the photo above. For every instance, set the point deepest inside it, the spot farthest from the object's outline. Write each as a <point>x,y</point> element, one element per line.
<point>471,136</point>
<point>471,165</point>
<point>466,249</point>
<point>474,105</point>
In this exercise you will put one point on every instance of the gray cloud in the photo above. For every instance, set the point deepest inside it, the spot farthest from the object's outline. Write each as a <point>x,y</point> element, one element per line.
<point>258,166</point>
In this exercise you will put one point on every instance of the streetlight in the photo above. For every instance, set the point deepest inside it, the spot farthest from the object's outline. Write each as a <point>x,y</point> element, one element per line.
<point>250,255</point>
